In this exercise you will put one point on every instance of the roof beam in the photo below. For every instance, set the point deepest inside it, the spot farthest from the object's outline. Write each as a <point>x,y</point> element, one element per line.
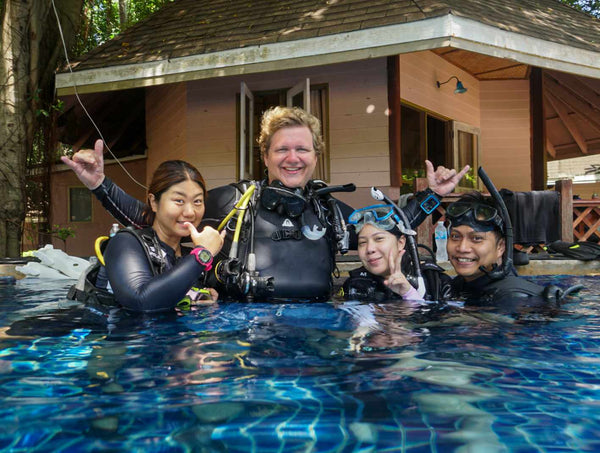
<point>576,85</point>
<point>565,117</point>
<point>580,107</point>
<point>550,148</point>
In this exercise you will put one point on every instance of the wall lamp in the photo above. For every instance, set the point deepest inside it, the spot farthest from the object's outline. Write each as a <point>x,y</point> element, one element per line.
<point>459,86</point>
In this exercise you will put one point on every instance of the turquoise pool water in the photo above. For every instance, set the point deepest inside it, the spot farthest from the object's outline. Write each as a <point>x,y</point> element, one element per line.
<point>335,377</point>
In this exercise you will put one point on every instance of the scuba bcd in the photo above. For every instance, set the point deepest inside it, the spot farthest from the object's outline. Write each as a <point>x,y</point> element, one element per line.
<point>294,206</point>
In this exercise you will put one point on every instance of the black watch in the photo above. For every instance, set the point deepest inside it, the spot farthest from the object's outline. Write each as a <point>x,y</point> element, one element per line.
<point>428,201</point>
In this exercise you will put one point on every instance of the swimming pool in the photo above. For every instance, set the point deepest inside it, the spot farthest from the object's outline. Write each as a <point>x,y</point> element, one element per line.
<point>290,378</point>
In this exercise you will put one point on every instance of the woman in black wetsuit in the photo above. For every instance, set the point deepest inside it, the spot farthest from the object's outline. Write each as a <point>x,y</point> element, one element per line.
<point>148,269</point>
<point>380,249</point>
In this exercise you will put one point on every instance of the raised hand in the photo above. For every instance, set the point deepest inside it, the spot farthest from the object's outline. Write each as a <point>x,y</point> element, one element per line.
<point>209,238</point>
<point>88,165</point>
<point>397,282</point>
<point>443,180</point>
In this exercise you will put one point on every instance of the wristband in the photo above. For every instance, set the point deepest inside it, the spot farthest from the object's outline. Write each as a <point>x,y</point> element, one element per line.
<point>203,256</point>
<point>428,201</point>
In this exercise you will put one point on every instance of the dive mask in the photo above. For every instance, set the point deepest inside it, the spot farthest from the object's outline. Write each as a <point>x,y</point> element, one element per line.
<point>382,216</point>
<point>480,217</point>
<point>278,197</point>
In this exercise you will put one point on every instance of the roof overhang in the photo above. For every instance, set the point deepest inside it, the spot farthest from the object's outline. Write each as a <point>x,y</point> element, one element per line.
<point>445,31</point>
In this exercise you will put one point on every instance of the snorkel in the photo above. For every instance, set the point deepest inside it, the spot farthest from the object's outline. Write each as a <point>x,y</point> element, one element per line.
<point>506,268</point>
<point>405,229</point>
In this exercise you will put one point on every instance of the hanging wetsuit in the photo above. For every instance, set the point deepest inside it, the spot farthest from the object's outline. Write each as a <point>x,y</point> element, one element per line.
<point>300,263</point>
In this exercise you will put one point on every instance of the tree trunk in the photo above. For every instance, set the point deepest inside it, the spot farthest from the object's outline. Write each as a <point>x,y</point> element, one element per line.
<point>123,19</point>
<point>16,121</point>
<point>31,50</point>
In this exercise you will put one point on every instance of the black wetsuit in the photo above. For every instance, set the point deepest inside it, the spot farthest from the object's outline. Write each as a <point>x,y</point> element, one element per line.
<point>508,292</point>
<point>363,285</point>
<point>301,267</point>
<point>151,278</point>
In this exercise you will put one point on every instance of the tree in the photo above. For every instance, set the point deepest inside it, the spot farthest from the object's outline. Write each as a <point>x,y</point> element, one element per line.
<point>32,50</point>
<point>589,6</point>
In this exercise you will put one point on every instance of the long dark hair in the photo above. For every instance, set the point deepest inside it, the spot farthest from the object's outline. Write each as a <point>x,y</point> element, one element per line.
<point>169,173</point>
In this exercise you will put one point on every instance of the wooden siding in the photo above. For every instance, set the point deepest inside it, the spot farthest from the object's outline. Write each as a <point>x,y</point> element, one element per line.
<point>419,72</point>
<point>505,133</point>
<point>357,117</point>
<point>165,125</point>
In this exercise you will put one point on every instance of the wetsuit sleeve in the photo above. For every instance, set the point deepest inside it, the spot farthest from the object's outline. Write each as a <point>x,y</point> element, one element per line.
<point>413,210</point>
<point>412,294</point>
<point>123,207</point>
<point>132,280</point>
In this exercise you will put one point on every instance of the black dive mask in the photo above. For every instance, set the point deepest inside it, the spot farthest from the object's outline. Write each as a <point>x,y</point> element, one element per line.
<point>480,217</point>
<point>278,197</point>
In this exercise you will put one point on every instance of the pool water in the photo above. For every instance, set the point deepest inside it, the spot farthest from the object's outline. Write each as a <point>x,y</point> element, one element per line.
<point>329,377</point>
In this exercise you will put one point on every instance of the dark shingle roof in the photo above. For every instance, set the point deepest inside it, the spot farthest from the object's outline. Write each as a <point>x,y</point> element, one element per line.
<point>194,27</point>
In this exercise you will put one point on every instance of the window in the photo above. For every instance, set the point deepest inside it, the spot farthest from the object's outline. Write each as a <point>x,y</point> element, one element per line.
<point>313,98</point>
<point>423,136</point>
<point>80,204</point>
<point>465,144</point>
<point>443,142</point>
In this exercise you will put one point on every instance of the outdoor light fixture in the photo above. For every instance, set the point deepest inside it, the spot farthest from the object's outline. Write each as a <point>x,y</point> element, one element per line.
<point>459,86</point>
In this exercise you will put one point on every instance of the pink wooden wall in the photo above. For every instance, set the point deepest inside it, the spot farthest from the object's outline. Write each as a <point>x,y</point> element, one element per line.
<point>87,232</point>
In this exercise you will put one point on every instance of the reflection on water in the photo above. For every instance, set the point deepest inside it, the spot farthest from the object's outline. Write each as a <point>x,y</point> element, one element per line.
<point>339,376</point>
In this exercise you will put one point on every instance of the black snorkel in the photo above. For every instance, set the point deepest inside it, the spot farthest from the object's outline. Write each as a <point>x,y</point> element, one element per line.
<point>499,272</point>
<point>410,235</point>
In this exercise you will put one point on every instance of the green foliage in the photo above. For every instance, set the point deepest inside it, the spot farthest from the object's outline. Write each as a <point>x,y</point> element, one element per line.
<point>63,233</point>
<point>102,20</point>
<point>589,6</point>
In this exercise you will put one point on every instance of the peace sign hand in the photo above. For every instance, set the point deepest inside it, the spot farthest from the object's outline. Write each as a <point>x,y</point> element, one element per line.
<point>397,282</point>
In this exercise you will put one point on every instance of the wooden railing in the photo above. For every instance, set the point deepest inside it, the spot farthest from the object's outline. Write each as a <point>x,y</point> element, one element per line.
<point>579,219</point>
<point>586,220</point>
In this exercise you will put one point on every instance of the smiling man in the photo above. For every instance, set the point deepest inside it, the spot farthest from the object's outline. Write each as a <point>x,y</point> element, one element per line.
<point>476,246</point>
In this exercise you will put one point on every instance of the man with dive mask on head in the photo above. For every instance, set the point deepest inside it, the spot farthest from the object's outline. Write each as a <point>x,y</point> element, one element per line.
<point>477,242</point>
<point>292,227</point>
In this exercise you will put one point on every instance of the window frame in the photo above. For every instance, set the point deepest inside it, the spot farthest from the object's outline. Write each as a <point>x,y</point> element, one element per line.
<point>82,190</point>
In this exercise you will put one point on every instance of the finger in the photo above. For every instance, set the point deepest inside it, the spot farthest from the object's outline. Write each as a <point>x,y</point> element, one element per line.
<point>191,228</point>
<point>429,168</point>
<point>392,263</point>
<point>463,172</point>
<point>99,147</point>
<point>85,156</point>
<point>400,255</point>
<point>68,162</point>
